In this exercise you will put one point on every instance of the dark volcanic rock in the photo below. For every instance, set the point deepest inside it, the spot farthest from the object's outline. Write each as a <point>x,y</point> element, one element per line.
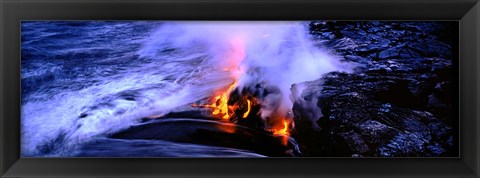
<point>369,116</point>
<point>208,132</point>
<point>397,102</point>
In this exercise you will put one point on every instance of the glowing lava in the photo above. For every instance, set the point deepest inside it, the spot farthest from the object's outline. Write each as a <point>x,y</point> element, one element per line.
<point>283,131</point>
<point>249,106</point>
<point>220,104</point>
<point>220,107</point>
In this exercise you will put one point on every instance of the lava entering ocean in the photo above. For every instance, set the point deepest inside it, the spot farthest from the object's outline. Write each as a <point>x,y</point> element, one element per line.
<point>262,63</point>
<point>229,109</point>
<point>219,106</point>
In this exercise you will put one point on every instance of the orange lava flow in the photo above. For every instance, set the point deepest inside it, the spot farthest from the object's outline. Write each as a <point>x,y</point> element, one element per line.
<point>249,106</point>
<point>220,104</point>
<point>284,131</point>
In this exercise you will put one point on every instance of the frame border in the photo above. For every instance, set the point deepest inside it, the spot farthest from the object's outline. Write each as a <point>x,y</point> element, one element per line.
<point>467,12</point>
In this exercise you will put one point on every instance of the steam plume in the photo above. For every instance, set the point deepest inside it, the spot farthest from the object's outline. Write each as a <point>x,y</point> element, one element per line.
<point>276,54</point>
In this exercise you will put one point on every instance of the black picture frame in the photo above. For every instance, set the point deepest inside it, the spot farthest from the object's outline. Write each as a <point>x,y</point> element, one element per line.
<point>467,12</point>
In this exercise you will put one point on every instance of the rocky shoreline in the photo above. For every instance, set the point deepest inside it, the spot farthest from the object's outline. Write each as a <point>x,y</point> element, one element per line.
<point>398,102</point>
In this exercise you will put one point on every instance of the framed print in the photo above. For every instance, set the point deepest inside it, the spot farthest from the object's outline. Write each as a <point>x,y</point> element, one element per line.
<point>239,89</point>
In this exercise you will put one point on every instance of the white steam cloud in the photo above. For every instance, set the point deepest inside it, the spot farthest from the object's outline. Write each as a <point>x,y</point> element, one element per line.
<point>276,53</point>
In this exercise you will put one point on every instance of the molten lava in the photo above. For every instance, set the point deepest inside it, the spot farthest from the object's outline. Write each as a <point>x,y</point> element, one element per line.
<point>220,104</point>
<point>284,131</point>
<point>249,107</point>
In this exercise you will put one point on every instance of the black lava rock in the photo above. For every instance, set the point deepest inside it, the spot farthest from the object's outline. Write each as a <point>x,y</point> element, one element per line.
<point>397,103</point>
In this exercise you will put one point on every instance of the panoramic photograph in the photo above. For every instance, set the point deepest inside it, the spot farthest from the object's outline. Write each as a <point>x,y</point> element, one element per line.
<point>239,89</point>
